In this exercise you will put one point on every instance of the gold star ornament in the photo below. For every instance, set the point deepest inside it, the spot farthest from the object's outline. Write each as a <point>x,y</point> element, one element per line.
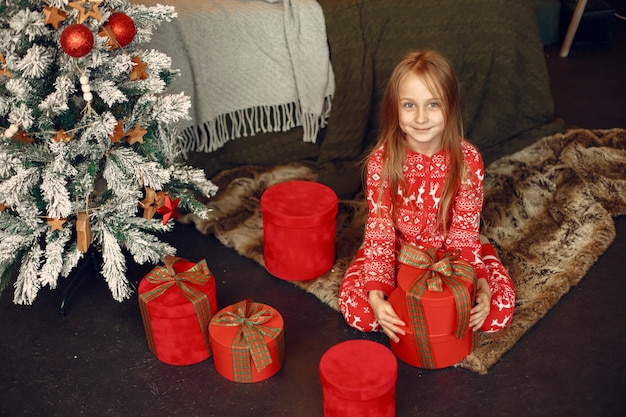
<point>61,136</point>
<point>87,9</point>
<point>23,137</point>
<point>139,69</point>
<point>152,202</point>
<point>56,223</point>
<point>136,134</point>
<point>106,32</point>
<point>54,16</point>
<point>4,71</point>
<point>118,133</point>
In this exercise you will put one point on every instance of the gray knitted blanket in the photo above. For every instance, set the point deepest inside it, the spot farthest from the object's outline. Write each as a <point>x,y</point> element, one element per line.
<point>250,66</point>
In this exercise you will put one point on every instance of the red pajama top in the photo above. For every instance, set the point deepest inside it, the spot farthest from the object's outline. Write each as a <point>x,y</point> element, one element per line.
<point>417,214</point>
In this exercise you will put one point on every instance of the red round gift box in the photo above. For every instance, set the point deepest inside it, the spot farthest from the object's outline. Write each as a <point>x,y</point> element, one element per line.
<point>359,380</point>
<point>178,339</point>
<point>222,338</point>
<point>299,229</point>
<point>441,320</point>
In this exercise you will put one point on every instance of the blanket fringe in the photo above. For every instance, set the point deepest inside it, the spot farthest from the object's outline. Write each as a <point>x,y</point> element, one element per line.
<point>213,134</point>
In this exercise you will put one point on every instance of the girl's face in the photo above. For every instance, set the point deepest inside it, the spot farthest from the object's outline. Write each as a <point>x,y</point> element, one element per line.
<point>421,115</point>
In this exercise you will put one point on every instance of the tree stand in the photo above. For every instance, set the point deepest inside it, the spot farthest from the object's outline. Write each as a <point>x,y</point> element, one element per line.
<point>91,260</point>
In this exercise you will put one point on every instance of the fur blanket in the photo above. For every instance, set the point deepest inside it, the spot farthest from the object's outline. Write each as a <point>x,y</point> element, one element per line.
<point>548,211</point>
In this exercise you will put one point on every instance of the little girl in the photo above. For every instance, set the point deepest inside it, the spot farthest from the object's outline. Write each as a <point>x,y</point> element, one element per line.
<point>424,186</point>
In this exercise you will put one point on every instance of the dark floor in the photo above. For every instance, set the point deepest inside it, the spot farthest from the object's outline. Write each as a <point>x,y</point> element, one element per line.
<point>95,361</point>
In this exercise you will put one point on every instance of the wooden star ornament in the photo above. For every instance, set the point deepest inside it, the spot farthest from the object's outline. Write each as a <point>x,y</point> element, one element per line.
<point>4,71</point>
<point>106,32</point>
<point>169,209</point>
<point>118,133</point>
<point>61,136</point>
<point>86,9</point>
<point>54,16</point>
<point>139,69</point>
<point>136,134</point>
<point>56,223</point>
<point>152,202</point>
<point>23,137</point>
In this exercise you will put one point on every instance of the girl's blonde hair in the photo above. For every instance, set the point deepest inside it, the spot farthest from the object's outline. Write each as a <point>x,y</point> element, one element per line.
<point>440,77</point>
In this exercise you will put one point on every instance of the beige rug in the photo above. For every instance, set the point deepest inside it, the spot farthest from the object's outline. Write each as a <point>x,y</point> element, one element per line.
<point>548,211</point>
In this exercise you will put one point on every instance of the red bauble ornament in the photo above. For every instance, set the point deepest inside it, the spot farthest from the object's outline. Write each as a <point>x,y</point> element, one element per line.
<point>123,27</point>
<point>76,40</point>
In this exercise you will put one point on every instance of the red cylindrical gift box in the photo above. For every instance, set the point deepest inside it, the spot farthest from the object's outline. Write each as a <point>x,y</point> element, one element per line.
<point>234,352</point>
<point>359,380</point>
<point>175,334</point>
<point>441,318</point>
<point>299,223</point>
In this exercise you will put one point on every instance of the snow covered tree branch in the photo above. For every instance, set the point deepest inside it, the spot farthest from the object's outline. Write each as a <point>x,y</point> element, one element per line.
<point>87,130</point>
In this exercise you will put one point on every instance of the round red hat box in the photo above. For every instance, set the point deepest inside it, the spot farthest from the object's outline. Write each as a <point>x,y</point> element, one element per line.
<point>299,224</point>
<point>359,380</point>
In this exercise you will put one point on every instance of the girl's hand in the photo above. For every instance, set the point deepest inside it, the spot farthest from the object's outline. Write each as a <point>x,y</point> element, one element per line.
<point>480,311</point>
<point>385,315</point>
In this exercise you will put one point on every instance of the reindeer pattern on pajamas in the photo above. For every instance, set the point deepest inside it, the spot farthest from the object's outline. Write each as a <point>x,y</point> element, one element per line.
<point>375,266</point>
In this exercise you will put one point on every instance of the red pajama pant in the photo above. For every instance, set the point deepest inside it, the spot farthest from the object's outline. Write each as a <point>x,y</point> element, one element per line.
<point>356,308</point>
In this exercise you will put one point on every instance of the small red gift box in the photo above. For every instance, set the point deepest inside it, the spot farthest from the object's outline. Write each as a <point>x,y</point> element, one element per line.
<point>248,341</point>
<point>299,229</point>
<point>177,302</point>
<point>434,297</point>
<point>359,380</point>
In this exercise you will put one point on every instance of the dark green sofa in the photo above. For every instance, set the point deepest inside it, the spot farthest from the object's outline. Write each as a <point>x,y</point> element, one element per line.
<point>494,44</point>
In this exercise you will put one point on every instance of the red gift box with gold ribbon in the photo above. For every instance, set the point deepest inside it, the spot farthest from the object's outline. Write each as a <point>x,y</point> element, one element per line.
<point>177,301</point>
<point>248,341</point>
<point>434,297</point>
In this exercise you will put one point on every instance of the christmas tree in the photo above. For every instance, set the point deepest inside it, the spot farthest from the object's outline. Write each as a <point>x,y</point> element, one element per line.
<point>89,155</point>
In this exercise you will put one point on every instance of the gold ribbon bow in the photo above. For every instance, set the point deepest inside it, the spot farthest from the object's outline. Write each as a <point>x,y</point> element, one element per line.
<point>165,277</point>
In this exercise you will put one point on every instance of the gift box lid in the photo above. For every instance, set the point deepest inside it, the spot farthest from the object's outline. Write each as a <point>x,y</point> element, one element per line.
<point>440,307</point>
<point>439,336</point>
<point>299,204</point>
<point>172,303</point>
<point>224,335</point>
<point>359,370</point>
<point>441,316</point>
